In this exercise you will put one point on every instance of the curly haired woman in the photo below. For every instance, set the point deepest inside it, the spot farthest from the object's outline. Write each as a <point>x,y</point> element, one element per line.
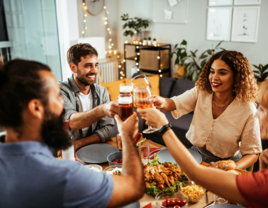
<point>223,125</point>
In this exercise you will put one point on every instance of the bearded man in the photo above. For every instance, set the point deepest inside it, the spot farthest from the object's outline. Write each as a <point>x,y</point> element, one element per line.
<point>31,110</point>
<point>87,105</point>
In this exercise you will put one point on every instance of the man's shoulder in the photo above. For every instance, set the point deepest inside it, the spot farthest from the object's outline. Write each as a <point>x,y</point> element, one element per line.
<point>100,89</point>
<point>65,86</point>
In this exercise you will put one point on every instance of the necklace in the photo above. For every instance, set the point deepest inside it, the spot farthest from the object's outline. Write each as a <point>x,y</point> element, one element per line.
<point>219,106</point>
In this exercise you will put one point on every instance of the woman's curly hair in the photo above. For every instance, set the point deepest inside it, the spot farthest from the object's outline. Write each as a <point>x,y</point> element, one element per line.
<point>245,86</point>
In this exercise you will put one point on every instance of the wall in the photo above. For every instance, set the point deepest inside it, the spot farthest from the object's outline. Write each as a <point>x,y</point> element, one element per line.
<point>95,24</point>
<point>195,30</point>
<point>67,16</point>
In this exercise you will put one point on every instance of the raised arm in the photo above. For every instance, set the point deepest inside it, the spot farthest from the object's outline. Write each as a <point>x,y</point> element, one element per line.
<point>129,186</point>
<point>215,180</point>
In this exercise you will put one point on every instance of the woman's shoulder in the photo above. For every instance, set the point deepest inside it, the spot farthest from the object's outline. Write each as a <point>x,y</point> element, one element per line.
<point>249,106</point>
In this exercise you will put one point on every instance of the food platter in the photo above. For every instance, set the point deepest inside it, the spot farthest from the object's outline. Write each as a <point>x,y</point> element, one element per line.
<point>165,156</point>
<point>95,153</point>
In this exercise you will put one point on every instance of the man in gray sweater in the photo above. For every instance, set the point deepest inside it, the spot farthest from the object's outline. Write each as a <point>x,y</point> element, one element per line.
<point>87,104</point>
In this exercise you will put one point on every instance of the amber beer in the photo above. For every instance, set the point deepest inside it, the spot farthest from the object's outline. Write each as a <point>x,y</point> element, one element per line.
<point>125,108</point>
<point>143,98</point>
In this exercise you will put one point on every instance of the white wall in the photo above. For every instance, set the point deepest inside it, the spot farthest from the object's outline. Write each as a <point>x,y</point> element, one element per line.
<point>67,15</point>
<point>195,30</point>
<point>95,24</point>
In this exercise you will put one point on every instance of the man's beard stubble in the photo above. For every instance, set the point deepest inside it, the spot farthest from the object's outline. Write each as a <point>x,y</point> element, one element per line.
<point>82,80</point>
<point>53,132</point>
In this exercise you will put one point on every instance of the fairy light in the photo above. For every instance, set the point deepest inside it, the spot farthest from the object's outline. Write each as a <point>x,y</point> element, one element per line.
<point>138,54</point>
<point>159,70</point>
<point>110,39</point>
<point>158,57</point>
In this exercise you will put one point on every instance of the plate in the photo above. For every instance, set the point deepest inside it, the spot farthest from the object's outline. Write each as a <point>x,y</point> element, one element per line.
<point>95,153</point>
<point>133,205</point>
<point>226,206</point>
<point>165,156</point>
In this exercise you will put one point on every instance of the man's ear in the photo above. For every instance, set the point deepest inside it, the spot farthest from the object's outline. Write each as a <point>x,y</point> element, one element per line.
<point>36,108</point>
<point>73,67</point>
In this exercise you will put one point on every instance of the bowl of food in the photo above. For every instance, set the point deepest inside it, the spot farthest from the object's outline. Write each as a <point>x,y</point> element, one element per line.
<point>115,158</point>
<point>113,169</point>
<point>193,191</point>
<point>96,168</point>
<point>170,199</point>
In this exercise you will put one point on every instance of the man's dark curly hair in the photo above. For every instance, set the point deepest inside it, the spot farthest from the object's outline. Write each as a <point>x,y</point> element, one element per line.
<point>20,82</point>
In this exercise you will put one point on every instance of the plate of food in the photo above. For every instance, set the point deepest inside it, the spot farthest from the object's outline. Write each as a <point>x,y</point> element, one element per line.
<point>164,156</point>
<point>133,205</point>
<point>165,176</point>
<point>95,153</point>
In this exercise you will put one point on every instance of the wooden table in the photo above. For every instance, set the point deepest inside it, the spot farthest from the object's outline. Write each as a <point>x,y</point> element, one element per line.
<point>146,199</point>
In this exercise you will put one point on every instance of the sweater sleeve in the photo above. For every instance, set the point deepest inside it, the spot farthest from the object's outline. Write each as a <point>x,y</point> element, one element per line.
<point>185,103</point>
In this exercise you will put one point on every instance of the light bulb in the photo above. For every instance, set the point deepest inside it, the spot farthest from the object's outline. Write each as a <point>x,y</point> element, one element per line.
<point>110,47</point>
<point>159,70</point>
<point>135,58</point>
<point>121,72</point>
<point>137,47</point>
<point>83,32</point>
<point>138,69</point>
<point>137,64</point>
<point>84,20</point>
<point>124,60</point>
<point>83,4</point>
<point>86,27</point>
<point>126,41</point>
<point>158,57</point>
<point>107,12</point>
<point>119,66</point>
<point>121,77</point>
<point>85,15</point>
<point>110,51</point>
<point>160,75</point>
<point>115,52</point>
<point>104,7</point>
<point>138,54</point>
<point>109,32</point>
<point>108,28</point>
<point>110,39</point>
<point>112,44</point>
<point>105,18</point>
<point>105,23</point>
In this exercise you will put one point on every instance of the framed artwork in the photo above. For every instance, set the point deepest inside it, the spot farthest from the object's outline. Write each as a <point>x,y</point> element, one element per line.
<point>245,24</point>
<point>219,23</point>
<point>246,2</point>
<point>163,12</point>
<point>220,2</point>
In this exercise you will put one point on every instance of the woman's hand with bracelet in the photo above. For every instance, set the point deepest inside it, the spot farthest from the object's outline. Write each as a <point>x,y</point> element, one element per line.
<point>153,117</point>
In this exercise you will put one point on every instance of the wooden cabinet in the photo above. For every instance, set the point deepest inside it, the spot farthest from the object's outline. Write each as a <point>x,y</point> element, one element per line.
<point>149,59</point>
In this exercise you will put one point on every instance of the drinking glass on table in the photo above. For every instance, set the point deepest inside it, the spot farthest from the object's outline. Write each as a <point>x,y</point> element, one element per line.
<point>125,107</point>
<point>144,151</point>
<point>143,96</point>
<point>219,200</point>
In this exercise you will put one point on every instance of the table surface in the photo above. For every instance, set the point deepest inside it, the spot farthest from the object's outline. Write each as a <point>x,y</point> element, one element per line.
<point>146,199</point>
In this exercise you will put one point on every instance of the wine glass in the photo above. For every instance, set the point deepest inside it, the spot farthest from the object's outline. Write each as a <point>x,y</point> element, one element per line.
<point>143,96</point>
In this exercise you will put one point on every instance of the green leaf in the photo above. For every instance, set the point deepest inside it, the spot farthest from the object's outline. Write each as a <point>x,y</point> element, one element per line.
<point>209,52</point>
<point>194,76</point>
<point>223,49</point>
<point>175,46</point>
<point>184,42</point>
<point>203,63</point>
<point>193,53</point>
<point>177,61</point>
<point>265,67</point>
<point>203,56</point>
<point>255,66</point>
<point>219,44</point>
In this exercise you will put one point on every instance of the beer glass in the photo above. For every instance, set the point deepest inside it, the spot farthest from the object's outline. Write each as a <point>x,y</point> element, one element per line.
<point>126,88</point>
<point>143,96</point>
<point>125,107</point>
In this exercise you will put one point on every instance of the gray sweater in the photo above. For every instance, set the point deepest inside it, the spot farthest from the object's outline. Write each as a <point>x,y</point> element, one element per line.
<point>104,127</point>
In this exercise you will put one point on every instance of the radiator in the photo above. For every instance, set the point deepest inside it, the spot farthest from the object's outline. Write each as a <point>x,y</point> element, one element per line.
<point>108,72</point>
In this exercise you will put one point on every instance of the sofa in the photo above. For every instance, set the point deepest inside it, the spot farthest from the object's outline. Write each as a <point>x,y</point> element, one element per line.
<point>168,88</point>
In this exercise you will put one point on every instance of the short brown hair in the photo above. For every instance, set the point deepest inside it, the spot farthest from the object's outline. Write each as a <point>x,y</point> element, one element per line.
<point>77,51</point>
<point>20,82</point>
<point>245,86</point>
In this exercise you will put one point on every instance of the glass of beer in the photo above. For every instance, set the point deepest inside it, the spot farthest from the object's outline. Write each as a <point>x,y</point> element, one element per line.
<point>125,107</point>
<point>143,96</point>
<point>126,88</point>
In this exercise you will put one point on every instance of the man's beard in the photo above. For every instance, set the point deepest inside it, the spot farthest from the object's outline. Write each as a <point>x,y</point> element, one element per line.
<point>83,80</point>
<point>53,132</point>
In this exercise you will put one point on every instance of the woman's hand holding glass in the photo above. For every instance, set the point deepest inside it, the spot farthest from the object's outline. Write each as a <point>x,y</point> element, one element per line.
<point>153,117</point>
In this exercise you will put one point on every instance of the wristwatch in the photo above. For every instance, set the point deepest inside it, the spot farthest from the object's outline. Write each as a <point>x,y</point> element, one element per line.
<point>163,129</point>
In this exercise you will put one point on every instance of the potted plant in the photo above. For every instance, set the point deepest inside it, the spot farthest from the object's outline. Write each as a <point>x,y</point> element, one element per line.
<point>260,73</point>
<point>134,25</point>
<point>149,41</point>
<point>144,41</point>
<point>181,52</point>
<point>154,42</point>
<point>195,65</point>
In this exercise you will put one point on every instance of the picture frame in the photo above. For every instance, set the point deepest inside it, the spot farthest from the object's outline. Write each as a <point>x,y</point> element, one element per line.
<point>179,11</point>
<point>220,2</point>
<point>247,2</point>
<point>219,21</point>
<point>245,24</point>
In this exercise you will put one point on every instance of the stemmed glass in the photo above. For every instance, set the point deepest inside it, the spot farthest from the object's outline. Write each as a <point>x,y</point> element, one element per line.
<point>143,96</point>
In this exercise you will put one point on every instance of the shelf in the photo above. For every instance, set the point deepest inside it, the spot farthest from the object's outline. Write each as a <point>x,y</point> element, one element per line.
<point>150,46</point>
